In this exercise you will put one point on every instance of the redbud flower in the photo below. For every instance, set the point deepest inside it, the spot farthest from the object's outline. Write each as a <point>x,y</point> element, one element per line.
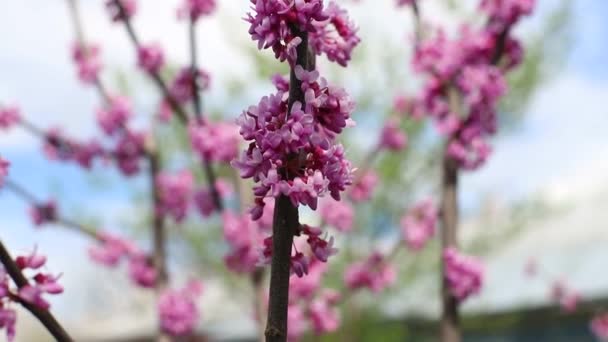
<point>4,165</point>
<point>175,193</point>
<point>121,9</point>
<point>87,61</point>
<point>305,287</point>
<point>338,214</point>
<point>419,224</point>
<point>336,37</point>
<point>128,152</point>
<point>44,213</point>
<point>363,189</point>
<point>9,116</point>
<point>324,316</point>
<point>405,2</point>
<point>463,274</point>
<point>392,138</point>
<point>296,322</point>
<point>504,13</point>
<point>150,58</point>
<point>567,298</point>
<point>177,310</point>
<point>598,325</point>
<point>113,117</point>
<point>181,89</point>
<point>214,141</point>
<point>194,9</point>
<point>8,320</point>
<point>203,199</point>
<point>375,273</point>
<point>142,271</point>
<point>112,249</point>
<point>40,283</point>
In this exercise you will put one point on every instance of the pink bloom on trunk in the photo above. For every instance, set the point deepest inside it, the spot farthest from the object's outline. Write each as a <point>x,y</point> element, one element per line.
<point>375,273</point>
<point>150,58</point>
<point>177,310</point>
<point>142,272</point>
<point>419,224</point>
<point>9,116</point>
<point>175,193</point>
<point>463,273</point>
<point>194,9</point>
<point>392,138</point>
<point>296,323</point>
<point>113,117</point>
<point>8,319</point>
<point>120,10</point>
<point>363,189</point>
<point>338,214</point>
<point>44,213</point>
<point>324,316</point>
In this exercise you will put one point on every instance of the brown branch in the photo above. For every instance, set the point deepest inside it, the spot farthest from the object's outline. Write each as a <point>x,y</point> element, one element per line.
<point>44,316</point>
<point>285,222</point>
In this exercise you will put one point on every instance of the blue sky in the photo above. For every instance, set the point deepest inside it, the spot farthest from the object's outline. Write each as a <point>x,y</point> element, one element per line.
<point>564,133</point>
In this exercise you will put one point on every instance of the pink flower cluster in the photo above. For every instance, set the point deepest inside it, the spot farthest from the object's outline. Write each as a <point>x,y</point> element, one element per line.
<point>337,214</point>
<point>9,116</point>
<point>419,224</point>
<point>203,198</point>
<point>194,9</point>
<point>38,285</point>
<point>405,2</point>
<point>363,189</point>
<point>244,236</point>
<point>181,88</point>
<point>150,58</point>
<point>330,30</point>
<point>311,306</point>
<point>301,144</point>
<point>87,61</point>
<point>112,249</point>
<point>392,138</point>
<point>4,165</point>
<point>177,309</point>
<point>599,326</point>
<point>463,274</point>
<point>567,297</point>
<point>374,273</point>
<point>319,248</point>
<point>43,213</point>
<point>112,118</point>
<point>120,10</point>
<point>175,193</point>
<point>466,66</point>
<point>217,142</point>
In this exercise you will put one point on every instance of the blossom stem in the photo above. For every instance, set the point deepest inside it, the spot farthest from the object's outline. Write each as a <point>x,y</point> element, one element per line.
<point>44,316</point>
<point>449,326</point>
<point>21,192</point>
<point>160,83</point>
<point>285,221</point>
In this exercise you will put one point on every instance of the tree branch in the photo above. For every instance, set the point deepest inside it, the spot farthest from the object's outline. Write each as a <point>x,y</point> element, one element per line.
<point>44,316</point>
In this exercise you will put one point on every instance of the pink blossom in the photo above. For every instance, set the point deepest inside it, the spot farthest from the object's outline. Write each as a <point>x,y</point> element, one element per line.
<point>504,13</point>
<point>419,224</point>
<point>112,249</point>
<point>405,2</point>
<point>299,264</point>
<point>194,9</point>
<point>129,151</point>
<point>177,310</point>
<point>336,37</point>
<point>44,213</point>
<point>325,318</point>
<point>121,9</point>
<point>113,117</point>
<point>150,58</point>
<point>296,322</point>
<point>305,287</point>
<point>9,116</point>
<point>175,193</point>
<point>363,189</point>
<point>322,249</point>
<point>40,284</point>
<point>402,104</point>
<point>4,165</point>
<point>392,138</point>
<point>32,261</point>
<point>338,214</point>
<point>8,320</point>
<point>181,89</point>
<point>375,273</point>
<point>567,298</point>
<point>88,61</point>
<point>463,274</point>
<point>214,141</point>
<point>598,325</point>
<point>142,272</point>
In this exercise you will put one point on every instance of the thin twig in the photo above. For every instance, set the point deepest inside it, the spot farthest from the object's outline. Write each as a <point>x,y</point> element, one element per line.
<point>44,316</point>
